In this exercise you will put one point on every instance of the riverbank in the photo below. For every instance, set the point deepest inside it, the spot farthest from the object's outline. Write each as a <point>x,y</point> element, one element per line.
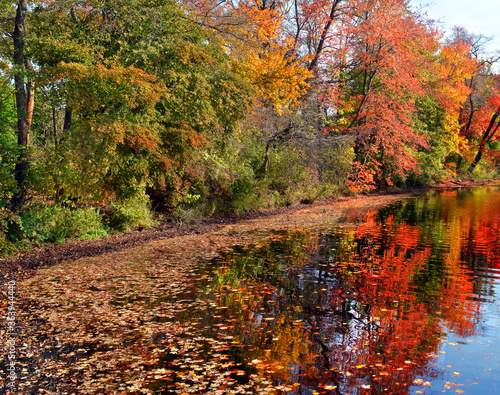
<point>295,216</point>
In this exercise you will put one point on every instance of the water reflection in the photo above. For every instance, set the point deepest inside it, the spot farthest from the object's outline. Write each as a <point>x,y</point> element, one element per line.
<point>398,303</point>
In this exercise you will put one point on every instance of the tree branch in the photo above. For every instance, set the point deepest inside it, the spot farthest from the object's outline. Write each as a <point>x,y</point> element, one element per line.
<point>324,33</point>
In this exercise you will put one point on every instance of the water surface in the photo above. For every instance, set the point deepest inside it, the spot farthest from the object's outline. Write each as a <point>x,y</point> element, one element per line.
<point>404,300</point>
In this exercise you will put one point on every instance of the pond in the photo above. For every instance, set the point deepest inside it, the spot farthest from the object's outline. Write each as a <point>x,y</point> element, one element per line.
<point>404,300</point>
<point>400,300</point>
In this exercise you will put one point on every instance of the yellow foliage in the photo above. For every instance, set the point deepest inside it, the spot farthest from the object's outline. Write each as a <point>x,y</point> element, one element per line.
<point>454,68</point>
<point>279,81</point>
<point>262,54</point>
<point>451,128</point>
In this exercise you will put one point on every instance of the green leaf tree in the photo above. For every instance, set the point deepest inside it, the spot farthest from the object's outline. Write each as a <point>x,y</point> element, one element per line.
<point>142,90</point>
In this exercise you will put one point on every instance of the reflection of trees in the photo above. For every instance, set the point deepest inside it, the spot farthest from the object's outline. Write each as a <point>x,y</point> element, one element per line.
<point>382,333</point>
<point>363,307</point>
<point>469,221</point>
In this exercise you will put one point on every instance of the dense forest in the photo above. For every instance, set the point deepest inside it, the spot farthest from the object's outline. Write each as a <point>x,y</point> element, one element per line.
<point>111,110</point>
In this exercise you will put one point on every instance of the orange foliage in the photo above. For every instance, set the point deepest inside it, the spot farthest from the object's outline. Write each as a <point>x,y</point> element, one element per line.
<point>454,68</point>
<point>383,63</point>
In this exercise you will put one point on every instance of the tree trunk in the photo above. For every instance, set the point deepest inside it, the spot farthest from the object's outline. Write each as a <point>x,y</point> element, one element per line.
<point>487,136</point>
<point>30,97</point>
<point>68,114</point>
<point>54,125</point>
<point>261,172</point>
<point>478,157</point>
<point>23,105</point>
<point>67,120</point>
<point>470,115</point>
<point>279,137</point>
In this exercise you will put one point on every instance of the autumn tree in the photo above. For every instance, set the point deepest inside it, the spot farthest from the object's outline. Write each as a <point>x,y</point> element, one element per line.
<point>487,123</point>
<point>478,113</point>
<point>141,90</point>
<point>438,114</point>
<point>261,49</point>
<point>373,82</point>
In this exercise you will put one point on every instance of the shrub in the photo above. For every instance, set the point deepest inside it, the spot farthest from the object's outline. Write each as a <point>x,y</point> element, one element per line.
<point>55,224</point>
<point>9,222</point>
<point>131,213</point>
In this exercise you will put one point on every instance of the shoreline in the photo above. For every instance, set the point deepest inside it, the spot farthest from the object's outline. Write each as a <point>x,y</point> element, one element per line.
<point>27,262</point>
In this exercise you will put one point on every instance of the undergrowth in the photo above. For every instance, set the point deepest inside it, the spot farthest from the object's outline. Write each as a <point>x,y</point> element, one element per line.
<point>42,224</point>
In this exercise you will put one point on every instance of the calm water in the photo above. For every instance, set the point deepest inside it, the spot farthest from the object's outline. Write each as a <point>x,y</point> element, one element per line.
<point>405,300</point>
